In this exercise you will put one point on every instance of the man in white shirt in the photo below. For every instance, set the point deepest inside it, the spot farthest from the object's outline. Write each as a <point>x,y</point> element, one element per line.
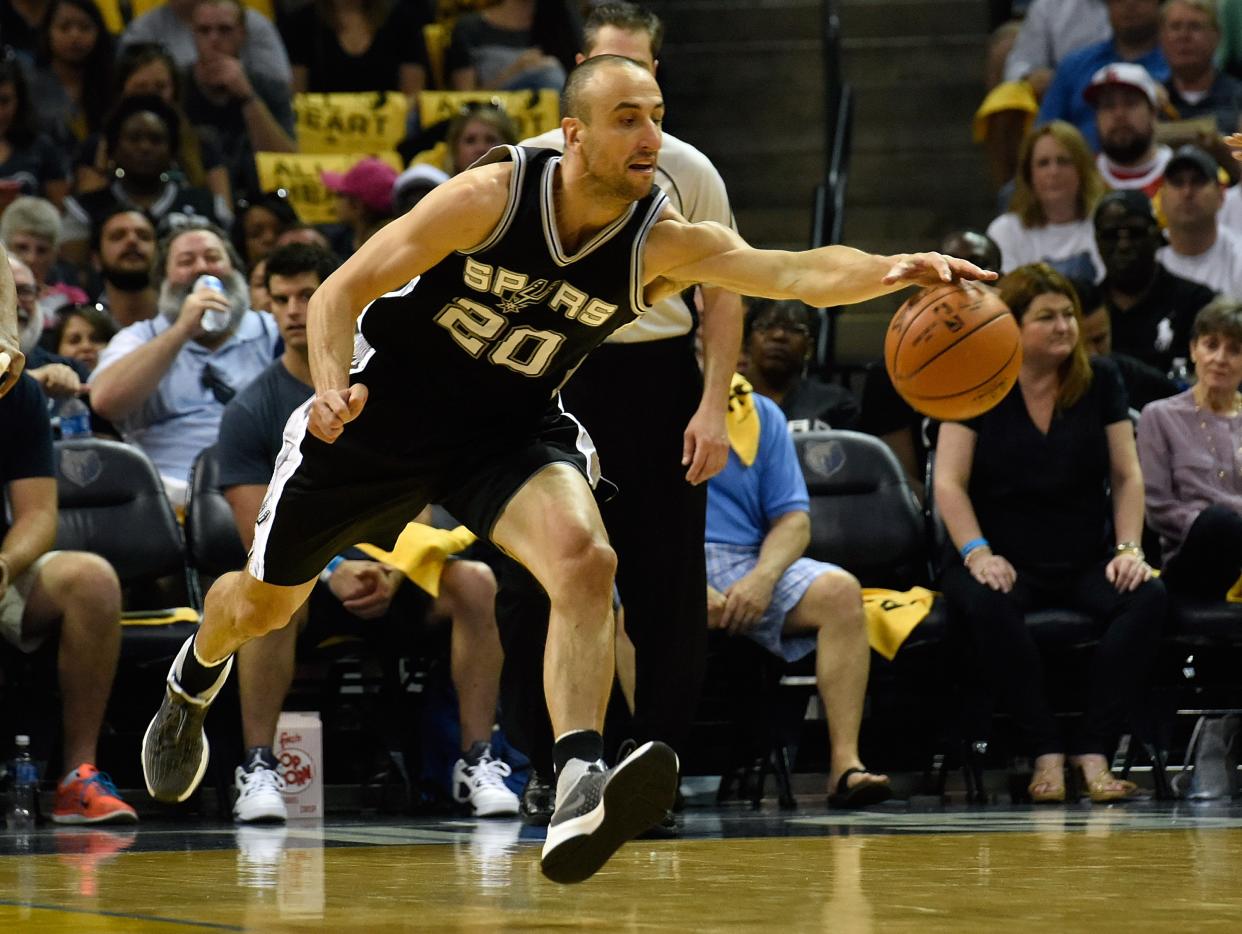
<point>656,522</point>
<point>1199,248</point>
<point>1051,30</point>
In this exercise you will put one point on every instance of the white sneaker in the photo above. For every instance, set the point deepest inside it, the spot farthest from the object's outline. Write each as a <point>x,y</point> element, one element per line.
<point>483,787</point>
<point>259,795</point>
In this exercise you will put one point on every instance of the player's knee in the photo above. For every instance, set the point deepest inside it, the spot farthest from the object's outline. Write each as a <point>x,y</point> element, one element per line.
<point>260,608</point>
<point>585,570</point>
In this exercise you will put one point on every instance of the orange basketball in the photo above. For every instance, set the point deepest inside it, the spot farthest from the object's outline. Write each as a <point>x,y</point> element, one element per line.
<point>953,351</point>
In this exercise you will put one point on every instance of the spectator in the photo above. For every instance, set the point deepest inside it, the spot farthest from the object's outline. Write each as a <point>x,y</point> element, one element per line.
<point>1051,30</point>
<point>31,230</point>
<point>413,184</point>
<point>30,163</point>
<point>260,300</point>
<point>1022,490</point>
<point>779,341</point>
<point>19,26</point>
<point>351,590</point>
<point>58,377</point>
<point>474,131</point>
<point>760,586</point>
<point>72,81</point>
<point>259,221</point>
<point>83,332</point>
<point>1125,101</point>
<point>124,253</point>
<point>241,110</point>
<point>304,233</point>
<point>514,45</point>
<point>1056,189</point>
<point>169,24</point>
<point>365,45</point>
<point>1199,248</point>
<point>363,198</point>
<point>165,382</point>
<point>142,134</point>
<point>147,68</point>
<point>1188,448</point>
<point>1150,309</point>
<point>1143,382</point>
<point>1230,51</point>
<point>72,596</point>
<point>1136,25</point>
<point>1189,37</point>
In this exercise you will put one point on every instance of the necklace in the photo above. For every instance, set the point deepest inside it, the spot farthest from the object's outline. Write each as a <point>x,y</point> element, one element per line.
<point>1201,416</point>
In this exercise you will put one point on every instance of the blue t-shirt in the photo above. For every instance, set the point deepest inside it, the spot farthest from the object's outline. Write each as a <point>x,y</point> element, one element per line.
<point>743,502</point>
<point>1063,99</point>
<point>27,449</point>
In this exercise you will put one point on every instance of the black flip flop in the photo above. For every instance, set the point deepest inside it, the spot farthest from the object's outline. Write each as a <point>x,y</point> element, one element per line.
<point>861,795</point>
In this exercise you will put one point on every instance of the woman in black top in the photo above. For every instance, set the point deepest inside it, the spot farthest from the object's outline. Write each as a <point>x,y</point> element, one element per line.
<point>1025,494</point>
<point>72,82</point>
<point>30,163</point>
<point>357,45</point>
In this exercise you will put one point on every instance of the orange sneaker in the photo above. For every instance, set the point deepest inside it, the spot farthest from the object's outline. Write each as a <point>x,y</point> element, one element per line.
<point>87,796</point>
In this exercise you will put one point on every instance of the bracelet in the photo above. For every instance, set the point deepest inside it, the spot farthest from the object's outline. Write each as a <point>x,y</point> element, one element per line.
<point>1130,548</point>
<point>973,545</point>
<point>326,574</point>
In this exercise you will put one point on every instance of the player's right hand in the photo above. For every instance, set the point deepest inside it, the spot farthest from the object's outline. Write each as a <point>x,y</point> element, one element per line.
<point>1234,142</point>
<point>12,362</point>
<point>331,410</point>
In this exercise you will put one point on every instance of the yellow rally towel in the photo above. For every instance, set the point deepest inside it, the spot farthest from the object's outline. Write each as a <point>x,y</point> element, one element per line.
<point>892,616</point>
<point>742,420</point>
<point>1235,592</point>
<point>420,551</point>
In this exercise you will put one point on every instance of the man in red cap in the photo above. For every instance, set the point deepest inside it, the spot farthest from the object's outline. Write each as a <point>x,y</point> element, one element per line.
<point>363,198</point>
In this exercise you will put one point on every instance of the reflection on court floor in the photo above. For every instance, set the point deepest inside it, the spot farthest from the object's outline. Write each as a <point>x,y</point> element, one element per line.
<point>1076,868</point>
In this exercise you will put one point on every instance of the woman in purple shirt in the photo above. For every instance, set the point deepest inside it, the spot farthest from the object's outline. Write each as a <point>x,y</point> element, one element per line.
<point>1190,448</point>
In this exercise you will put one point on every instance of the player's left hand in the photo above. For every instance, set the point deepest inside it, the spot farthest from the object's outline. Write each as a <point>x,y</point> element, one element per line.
<point>746,601</point>
<point>1127,572</point>
<point>12,362</point>
<point>933,269</point>
<point>705,445</point>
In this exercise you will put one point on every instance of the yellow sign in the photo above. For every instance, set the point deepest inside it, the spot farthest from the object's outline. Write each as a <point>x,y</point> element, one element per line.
<point>534,112</point>
<point>347,123</point>
<point>299,174</point>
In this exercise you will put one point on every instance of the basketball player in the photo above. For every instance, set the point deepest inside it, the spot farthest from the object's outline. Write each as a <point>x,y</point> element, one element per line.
<point>471,311</point>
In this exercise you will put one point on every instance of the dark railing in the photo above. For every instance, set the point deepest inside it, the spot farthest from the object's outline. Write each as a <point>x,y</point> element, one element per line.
<point>829,207</point>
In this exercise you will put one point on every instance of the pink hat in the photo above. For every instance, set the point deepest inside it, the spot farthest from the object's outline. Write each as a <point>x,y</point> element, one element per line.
<point>1122,74</point>
<point>370,181</point>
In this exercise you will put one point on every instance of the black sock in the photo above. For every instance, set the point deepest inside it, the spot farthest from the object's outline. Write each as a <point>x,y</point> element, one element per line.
<point>587,745</point>
<point>260,756</point>
<point>476,752</point>
<point>193,676</point>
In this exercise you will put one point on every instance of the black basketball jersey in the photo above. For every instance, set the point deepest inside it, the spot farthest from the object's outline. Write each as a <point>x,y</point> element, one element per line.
<point>487,336</point>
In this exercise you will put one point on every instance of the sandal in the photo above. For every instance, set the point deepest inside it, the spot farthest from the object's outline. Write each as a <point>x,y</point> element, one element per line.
<point>1052,779</point>
<point>860,794</point>
<point>1106,786</point>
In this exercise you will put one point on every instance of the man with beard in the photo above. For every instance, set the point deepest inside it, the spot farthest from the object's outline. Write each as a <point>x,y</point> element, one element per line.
<point>1125,99</point>
<point>124,250</point>
<point>58,377</point>
<point>1136,26</point>
<point>165,382</point>
<point>437,352</point>
<point>1150,309</point>
<point>778,345</point>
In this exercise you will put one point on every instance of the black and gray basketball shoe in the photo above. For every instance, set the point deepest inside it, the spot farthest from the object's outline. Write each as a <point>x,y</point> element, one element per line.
<point>598,809</point>
<point>174,748</point>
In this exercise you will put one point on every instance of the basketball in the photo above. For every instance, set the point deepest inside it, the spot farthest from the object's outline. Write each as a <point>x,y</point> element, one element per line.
<point>953,351</point>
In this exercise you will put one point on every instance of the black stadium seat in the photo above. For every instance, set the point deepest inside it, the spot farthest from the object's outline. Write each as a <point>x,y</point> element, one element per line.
<point>212,542</point>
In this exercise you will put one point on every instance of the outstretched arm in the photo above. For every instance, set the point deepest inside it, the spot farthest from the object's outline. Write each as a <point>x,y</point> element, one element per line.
<point>457,215</point>
<point>12,360</point>
<point>681,252</point>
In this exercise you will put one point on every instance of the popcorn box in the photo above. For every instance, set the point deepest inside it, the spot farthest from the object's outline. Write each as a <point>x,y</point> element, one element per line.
<point>299,752</point>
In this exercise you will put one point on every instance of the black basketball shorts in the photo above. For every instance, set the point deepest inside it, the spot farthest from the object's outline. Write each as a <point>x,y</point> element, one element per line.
<point>364,488</point>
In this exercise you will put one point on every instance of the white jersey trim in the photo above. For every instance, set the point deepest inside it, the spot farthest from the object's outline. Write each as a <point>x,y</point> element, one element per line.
<point>515,192</point>
<point>637,287</point>
<point>363,351</point>
<point>585,447</point>
<point>287,463</point>
<point>553,238</point>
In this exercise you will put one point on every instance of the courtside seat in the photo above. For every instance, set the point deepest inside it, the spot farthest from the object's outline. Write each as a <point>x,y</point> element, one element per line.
<point>212,543</point>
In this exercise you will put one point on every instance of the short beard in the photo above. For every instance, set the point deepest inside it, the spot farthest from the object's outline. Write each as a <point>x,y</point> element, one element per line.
<point>126,280</point>
<point>1128,152</point>
<point>172,297</point>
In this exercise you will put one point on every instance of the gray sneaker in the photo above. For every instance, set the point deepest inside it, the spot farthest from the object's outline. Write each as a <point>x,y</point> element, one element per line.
<point>597,810</point>
<point>174,748</point>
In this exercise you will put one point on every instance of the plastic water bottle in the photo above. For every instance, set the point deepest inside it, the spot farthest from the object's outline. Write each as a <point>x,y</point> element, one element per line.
<point>214,321</point>
<point>25,787</point>
<point>75,419</point>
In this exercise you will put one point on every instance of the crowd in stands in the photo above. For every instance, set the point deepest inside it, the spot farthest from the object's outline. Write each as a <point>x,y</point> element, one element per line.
<point>158,277</point>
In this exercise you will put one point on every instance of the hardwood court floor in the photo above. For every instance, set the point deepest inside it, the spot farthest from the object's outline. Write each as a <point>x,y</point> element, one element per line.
<point>1134,867</point>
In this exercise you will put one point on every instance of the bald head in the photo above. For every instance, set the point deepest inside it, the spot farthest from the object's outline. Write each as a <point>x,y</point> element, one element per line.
<point>584,83</point>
